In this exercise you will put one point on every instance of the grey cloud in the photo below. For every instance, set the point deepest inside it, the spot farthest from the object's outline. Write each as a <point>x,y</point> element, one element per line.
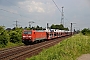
<point>77,11</point>
<point>9,2</point>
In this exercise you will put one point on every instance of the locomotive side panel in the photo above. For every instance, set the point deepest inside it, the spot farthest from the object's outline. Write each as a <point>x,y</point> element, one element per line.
<point>40,35</point>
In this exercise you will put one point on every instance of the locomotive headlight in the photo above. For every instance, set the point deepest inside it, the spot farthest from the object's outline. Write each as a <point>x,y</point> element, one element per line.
<point>29,36</point>
<point>24,36</point>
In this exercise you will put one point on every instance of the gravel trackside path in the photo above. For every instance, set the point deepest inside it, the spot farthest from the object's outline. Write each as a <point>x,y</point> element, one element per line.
<point>84,57</point>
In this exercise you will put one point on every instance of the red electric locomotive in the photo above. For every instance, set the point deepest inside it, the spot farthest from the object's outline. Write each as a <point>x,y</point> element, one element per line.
<point>29,36</point>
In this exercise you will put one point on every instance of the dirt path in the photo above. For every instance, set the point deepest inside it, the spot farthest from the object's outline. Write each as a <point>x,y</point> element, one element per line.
<point>84,57</point>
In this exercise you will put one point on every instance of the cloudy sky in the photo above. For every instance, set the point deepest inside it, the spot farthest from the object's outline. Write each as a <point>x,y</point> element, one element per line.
<point>45,11</point>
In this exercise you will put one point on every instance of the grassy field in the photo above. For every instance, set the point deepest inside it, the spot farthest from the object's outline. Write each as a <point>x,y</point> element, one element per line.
<point>68,49</point>
<point>11,45</point>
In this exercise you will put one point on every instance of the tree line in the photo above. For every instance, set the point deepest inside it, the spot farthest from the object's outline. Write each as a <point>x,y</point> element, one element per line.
<point>60,27</point>
<point>53,26</point>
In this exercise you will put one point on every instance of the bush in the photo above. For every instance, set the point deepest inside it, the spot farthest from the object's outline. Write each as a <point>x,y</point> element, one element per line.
<point>86,31</point>
<point>3,37</point>
<point>15,37</point>
<point>10,36</point>
<point>3,41</point>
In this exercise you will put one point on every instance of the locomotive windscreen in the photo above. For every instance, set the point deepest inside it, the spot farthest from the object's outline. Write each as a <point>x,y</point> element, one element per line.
<point>27,32</point>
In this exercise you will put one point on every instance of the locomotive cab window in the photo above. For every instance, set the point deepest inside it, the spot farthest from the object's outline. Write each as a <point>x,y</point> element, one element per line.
<point>27,32</point>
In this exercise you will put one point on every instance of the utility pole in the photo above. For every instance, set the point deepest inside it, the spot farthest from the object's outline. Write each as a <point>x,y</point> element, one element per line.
<point>71,27</point>
<point>30,22</point>
<point>47,25</point>
<point>62,17</point>
<point>16,23</point>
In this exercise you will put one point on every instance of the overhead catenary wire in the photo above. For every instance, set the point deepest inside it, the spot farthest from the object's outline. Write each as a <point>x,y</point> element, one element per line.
<point>7,11</point>
<point>22,9</point>
<point>59,9</point>
<point>56,6</point>
<point>62,15</point>
<point>15,5</point>
<point>13,13</point>
<point>11,3</point>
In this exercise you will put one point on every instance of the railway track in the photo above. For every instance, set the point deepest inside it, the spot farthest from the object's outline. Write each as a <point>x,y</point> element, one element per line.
<point>22,52</point>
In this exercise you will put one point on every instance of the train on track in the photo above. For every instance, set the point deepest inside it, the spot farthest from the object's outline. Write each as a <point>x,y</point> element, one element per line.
<point>29,36</point>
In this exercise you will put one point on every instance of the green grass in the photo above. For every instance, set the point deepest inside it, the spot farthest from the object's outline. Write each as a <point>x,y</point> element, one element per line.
<point>11,45</point>
<point>68,49</point>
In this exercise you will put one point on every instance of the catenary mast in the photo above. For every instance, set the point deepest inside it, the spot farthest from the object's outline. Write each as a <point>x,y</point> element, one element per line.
<point>62,17</point>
